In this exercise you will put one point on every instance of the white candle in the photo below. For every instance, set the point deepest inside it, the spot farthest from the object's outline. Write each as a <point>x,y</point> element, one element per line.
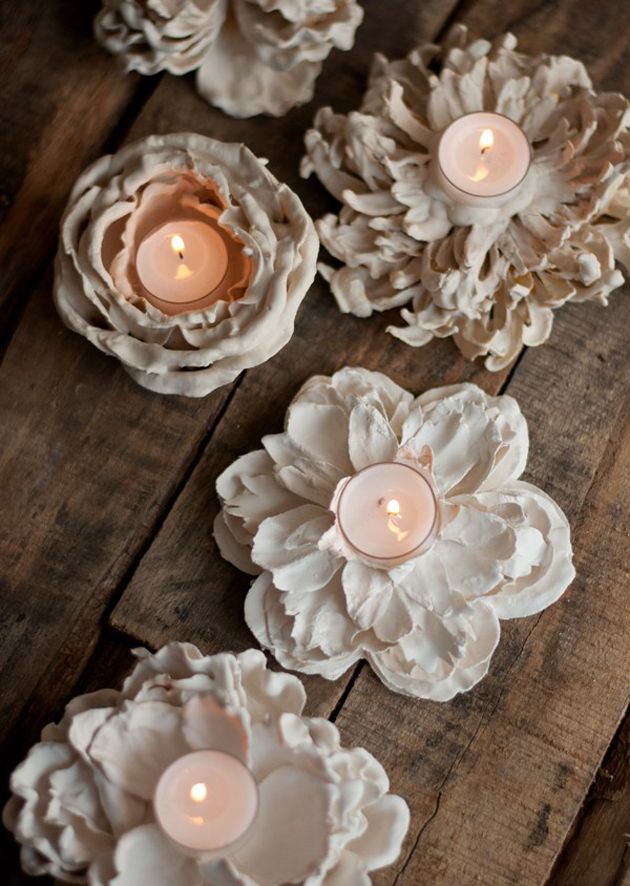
<point>388,512</point>
<point>206,801</point>
<point>482,158</point>
<point>182,262</point>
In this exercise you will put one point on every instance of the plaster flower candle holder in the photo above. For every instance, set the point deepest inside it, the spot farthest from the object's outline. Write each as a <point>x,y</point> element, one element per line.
<point>192,746</point>
<point>251,56</point>
<point>442,211</point>
<point>413,573</point>
<point>185,259</point>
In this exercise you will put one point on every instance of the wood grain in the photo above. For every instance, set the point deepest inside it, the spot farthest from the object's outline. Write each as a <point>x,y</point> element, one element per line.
<point>598,851</point>
<point>61,97</point>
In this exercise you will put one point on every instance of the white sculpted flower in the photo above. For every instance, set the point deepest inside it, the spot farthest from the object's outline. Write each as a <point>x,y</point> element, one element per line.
<point>269,237</point>
<point>428,626</point>
<point>254,56</point>
<point>82,799</point>
<point>489,277</point>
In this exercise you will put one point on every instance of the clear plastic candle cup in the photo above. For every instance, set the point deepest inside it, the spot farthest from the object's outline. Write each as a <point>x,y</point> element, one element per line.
<point>206,801</point>
<point>482,158</point>
<point>388,512</point>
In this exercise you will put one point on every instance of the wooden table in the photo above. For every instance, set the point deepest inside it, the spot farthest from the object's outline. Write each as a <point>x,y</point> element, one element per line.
<point>108,491</point>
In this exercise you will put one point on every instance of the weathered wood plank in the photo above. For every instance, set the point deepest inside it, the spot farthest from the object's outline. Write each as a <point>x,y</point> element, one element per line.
<point>598,850</point>
<point>60,97</point>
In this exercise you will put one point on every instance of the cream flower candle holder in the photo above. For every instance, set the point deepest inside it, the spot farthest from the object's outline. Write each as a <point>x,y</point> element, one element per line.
<point>251,56</point>
<point>476,546</point>
<point>185,259</point>
<point>442,211</point>
<point>110,791</point>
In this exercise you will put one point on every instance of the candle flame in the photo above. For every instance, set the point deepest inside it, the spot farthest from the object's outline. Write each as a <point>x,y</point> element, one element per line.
<point>177,245</point>
<point>486,140</point>
<point>198,792</point>
<point>480,173</point>
<point>393,508</point>
<point>393,511</point>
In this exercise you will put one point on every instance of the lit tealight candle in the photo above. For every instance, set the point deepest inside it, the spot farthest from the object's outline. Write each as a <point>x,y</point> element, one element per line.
<point>482,158</point>
<point>388,512</point>
<point>206,801</point>
<point>182,262</point>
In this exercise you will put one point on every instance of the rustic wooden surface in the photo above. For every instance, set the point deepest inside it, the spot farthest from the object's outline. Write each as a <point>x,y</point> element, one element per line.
<point>108,491</point>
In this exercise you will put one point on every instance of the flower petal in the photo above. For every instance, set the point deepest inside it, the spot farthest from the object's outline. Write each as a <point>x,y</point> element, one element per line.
<point>268,692</point>
<point>207,725</point>
<point>134,747</point>
<point>298,831</point>
<point>375,603</point>
<point>370,437</point>
<point>542,568</point>
<point>475,548</point>
<point>146,855</point>
<point>295,646</point>
<point>287,545</point>
<point>442,656</point>
<point>388,822</point>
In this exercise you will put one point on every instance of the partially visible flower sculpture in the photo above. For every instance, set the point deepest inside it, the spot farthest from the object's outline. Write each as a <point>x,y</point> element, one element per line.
<point>270,241</point>
<point>491,278</point>
<point>428,626</point>
<point>81,803</point>
<point>252,56</point>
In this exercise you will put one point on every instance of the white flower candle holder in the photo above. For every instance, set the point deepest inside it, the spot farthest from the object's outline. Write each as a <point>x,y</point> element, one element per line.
<point>411,574</point>
<point>185,259</point>
<point>251,56</point>
<point>481,197</point>
<point>203,769</point>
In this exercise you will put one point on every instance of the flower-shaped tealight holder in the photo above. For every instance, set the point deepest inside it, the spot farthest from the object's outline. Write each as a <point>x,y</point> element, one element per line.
<point>251,56</point>
<point>392,529</point>
<point>203,770</point>
<point>482,196</point>
<point>184,258</point>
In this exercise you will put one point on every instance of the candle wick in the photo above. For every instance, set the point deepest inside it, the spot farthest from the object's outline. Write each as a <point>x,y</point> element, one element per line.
<point>181,255</point>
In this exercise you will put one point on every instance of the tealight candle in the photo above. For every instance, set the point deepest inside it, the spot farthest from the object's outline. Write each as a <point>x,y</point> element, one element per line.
<point>206,800</point>
<point>182,262</point>
<point>482,158</point>
<point>388,512</point>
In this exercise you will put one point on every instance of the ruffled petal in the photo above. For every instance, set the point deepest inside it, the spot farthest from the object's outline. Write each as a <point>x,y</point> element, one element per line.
<point>206,725</point>
<point>287,545</point>
<point>135,747</point>
<point>541,568</point>
<point>297,830</point>
<point>387,824</point>
<point>252,87</point>
<point>317,640</point>
<point>442,656</point>
<point>371,438</point>
<point>146,855</point>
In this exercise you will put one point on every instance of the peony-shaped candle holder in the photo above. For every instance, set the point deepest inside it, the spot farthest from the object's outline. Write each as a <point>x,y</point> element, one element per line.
<point>202,770</point>
<point>481,187</point>
<point>392,529</point>
<point>251,56</point>
<point>185,259</point>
